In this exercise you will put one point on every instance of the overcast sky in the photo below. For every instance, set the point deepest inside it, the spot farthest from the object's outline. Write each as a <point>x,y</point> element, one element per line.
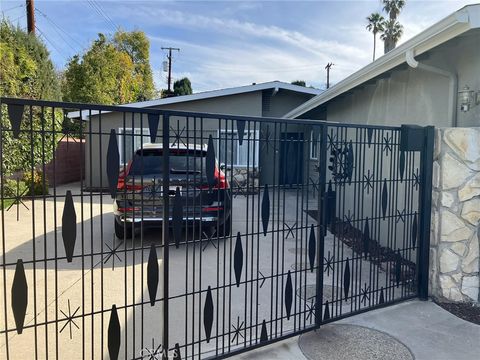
<point>231,43</point>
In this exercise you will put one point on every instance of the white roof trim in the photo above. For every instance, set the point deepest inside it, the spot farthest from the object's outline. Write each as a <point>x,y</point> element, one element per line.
<point>214,93</point>
<point>450,27</point>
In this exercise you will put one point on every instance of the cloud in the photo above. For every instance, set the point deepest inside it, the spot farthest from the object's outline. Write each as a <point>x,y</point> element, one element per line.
<point>231,43</point>
<point>233,52</point>
<point>246,52</point>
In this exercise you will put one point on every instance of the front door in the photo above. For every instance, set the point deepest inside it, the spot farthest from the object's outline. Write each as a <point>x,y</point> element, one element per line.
<point>291,159</point>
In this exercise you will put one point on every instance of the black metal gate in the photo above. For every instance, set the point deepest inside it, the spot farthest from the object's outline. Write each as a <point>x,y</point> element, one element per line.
<point>253,253</point>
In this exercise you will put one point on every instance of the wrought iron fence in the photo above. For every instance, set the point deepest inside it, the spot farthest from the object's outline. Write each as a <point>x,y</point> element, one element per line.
<point>197,235</point>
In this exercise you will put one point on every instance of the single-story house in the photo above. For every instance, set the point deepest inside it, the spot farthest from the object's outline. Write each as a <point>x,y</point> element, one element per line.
<point>428,80</point>
<point>270,99</point>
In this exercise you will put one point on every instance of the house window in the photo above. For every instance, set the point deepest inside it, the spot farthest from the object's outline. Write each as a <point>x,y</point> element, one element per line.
<point>129,142</point>
<point>313,146</point>
<point>242,155</point>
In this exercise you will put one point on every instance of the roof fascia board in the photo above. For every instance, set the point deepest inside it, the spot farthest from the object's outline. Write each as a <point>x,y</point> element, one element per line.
<point>446,29</point>
<point>213,94</point>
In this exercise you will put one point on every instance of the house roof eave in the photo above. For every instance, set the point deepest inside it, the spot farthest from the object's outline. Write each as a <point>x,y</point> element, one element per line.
<point>212,94</point>
<point>450,27</point>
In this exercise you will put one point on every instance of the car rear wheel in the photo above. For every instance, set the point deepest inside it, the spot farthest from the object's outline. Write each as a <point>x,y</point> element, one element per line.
<point>123,231</point>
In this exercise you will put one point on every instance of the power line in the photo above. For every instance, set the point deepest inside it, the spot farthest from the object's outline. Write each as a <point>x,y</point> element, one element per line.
<point>61,29</point>
<point>18,18</point>
<point>94,5</point>
<point>105,14</point>
<point>51,43</point>
<point>97,10</point>
<point>13,8</point>
<point>61,36</point>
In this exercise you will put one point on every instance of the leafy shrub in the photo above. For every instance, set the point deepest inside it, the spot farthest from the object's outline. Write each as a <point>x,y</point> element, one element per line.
<point>10,188</point>
<point>26,71</point>
<point>35,183</point>
<point>10,192</point>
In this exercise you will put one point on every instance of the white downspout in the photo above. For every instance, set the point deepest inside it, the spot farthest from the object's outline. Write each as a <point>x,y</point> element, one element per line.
<point>453,89</point>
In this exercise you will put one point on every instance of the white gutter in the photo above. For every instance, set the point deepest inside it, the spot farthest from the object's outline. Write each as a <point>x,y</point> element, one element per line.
<point>453,88</point>
<point>450,27</point>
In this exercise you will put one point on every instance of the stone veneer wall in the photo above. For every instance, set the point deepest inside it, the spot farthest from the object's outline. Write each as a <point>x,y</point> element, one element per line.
<point>455,237</point>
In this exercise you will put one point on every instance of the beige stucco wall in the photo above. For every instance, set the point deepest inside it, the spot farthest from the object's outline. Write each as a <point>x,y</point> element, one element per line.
<point>249,104</point>
<point>283,102</point>
<point>415,96</point>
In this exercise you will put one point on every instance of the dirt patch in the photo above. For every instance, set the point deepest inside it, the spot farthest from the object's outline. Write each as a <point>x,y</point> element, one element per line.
<point>382,256</point>
<point>330,293</point>
<point>465,311</point>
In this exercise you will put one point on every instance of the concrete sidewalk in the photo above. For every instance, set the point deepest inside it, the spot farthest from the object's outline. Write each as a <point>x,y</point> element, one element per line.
<point>428,331</point>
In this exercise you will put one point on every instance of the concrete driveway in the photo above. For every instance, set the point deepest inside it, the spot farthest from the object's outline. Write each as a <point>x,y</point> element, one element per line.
<point>113,272</point>
<point>59,291</point>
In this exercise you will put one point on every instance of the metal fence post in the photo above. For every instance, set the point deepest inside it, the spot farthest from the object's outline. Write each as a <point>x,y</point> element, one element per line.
<point>321,229</point>
<point>165,227</point>
<point>425,206</point>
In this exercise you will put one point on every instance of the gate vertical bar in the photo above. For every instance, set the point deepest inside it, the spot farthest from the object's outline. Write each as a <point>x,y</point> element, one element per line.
<point>321,228</point>
<point>2,217</point>
<point>165,227</point>
<point>425,207</point>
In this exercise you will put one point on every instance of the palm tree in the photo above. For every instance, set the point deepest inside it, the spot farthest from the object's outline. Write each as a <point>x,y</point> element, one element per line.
<point>375,25</point>
<point>393,7</point>
<point>392,32</point>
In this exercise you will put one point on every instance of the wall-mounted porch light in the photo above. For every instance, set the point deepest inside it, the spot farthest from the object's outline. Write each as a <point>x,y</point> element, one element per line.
<point>468,98</point>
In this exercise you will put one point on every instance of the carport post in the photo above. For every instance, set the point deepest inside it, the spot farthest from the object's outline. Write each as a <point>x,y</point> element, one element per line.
<point>321,221</point>
<point>425,207</point>
<point>166,223</point>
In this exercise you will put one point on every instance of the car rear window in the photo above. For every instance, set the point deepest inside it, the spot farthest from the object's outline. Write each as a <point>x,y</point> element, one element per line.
<point>150,162</point>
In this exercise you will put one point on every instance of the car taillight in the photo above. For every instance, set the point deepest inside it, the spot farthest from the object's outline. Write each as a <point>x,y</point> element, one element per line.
<point>221,181</point>
<point>121,179</point>
<point>128,209</point>
<point>123,174</point>
<point>211,209</point>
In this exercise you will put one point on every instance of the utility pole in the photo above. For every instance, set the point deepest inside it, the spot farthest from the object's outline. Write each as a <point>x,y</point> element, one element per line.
<point>329,65</point>
<point>30,16</point>
<point>169,57</point>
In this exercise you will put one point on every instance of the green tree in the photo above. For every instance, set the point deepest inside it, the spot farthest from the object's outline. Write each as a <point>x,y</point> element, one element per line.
<point>182,87</point>
<point>112,71</point>
<point>392,32</point>
<point>137,46</point>
<point>26,68</point>
<point>299,83</point>
<point>393,29</point>
<point>375,25</point>
<point>26,71</point>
